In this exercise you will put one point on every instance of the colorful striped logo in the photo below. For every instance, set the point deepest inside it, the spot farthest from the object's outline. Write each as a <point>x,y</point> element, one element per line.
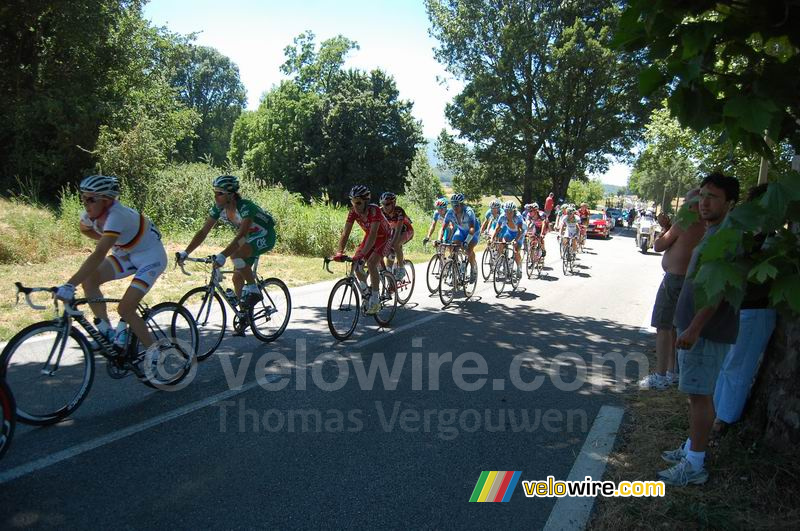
<point>494,486</point>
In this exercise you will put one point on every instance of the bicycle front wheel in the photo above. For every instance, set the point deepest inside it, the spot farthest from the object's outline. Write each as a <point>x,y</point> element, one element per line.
<point>209,314</point>
<point>501,272</point>
<point>405,287</point>
<point>433,273</point>
<point>344,308</point>
<point>529,262</point>
<point>173,328</point>
<point>8,417</point>
<point>469,286</point>
<point>486,262</point>
<point>48,373</point>
<point>448,282</point>
<point>270,315</point>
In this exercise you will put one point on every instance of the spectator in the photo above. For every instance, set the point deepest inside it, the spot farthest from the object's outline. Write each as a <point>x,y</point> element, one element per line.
<point>704,338</point>
<point>756,323</point>
<point>548,205</point>
<point>677,245</point>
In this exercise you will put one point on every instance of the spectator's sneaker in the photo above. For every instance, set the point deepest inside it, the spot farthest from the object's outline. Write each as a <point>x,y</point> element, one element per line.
<point>654,381</point>
<point>374,306</point>
<point>683,474</point>
<point>674,456</point>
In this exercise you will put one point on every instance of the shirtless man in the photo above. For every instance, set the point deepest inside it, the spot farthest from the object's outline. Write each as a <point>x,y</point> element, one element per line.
<point>677,245</point>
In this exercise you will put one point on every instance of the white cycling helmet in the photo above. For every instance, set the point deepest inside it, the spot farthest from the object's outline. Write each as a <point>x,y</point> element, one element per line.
<point>105,185</point>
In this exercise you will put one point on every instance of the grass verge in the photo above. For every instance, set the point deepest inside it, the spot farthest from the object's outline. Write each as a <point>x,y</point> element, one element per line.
<point>749,487</point>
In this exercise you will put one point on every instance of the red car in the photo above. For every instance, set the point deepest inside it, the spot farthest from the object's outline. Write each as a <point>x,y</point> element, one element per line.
<point>599,225</point>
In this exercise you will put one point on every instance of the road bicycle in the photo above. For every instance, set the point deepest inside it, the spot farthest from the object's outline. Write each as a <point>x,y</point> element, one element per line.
<point>267,318</point>
<point>405,286</point>
<point>49,365</point>
<point>434,269</point>
<point>506,270</point>
<point>568,254</point>
<point>534,259</point>
<point>457,274</point>
<point>8,417</point>
<point>488,260</point>
<point>350,296</point>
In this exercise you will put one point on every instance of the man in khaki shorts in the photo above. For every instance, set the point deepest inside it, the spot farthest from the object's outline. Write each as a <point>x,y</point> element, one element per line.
<point>677,245</point>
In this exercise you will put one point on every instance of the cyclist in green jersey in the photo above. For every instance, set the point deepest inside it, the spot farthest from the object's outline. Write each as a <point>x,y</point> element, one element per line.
<point>255,236</point>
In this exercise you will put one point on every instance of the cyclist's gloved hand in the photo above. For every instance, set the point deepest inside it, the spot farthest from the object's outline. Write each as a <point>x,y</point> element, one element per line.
<point>359,256</point>
<point>181,256</point>
<point>66,292</point>
<point>219,259</point>
<point>338,257</point>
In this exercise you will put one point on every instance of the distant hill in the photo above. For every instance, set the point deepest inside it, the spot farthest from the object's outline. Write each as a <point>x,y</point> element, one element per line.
<point>445,176</point>
<point>610,189</point>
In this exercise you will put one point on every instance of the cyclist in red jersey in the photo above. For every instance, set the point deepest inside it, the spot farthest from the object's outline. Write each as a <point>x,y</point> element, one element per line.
<point>583,214</point>
<point>402,230</point>
<point>537,223</point>
<point>375,243</point>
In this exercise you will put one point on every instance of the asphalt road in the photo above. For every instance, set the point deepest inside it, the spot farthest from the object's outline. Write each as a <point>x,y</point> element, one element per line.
<point>324,445</point>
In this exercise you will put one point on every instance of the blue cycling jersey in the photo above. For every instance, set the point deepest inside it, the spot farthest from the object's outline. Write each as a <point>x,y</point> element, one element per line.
<point>514,224</point>
<point>465,221</point>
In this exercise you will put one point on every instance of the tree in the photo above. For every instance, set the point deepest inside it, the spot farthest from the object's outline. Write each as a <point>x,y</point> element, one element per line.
<point>589,192</point>
<point>730,67</point>
<point>327,128</point>
<point>208,82</point>
<point>545,97</point>
<point>422,186</point>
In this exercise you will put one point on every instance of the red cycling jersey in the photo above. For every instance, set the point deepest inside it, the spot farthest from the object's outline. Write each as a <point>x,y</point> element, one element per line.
<point>373,214</point>
<point>398,217</point>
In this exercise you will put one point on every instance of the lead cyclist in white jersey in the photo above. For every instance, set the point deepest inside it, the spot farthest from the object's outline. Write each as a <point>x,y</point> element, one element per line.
<point>136,249</point>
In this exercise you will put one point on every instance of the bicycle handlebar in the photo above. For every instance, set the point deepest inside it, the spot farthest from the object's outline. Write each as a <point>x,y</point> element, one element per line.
<point>326,262</point>
<point>28,291</point>
<point>180,263</point>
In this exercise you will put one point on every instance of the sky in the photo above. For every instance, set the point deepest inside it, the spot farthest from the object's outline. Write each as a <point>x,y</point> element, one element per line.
<point>392,36</point>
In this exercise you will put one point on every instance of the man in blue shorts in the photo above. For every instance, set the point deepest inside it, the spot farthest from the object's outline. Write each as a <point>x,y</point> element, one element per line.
<point>465,228</point>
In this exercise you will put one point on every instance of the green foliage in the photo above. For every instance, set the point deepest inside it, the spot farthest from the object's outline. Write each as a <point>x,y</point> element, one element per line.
<point>469,174</point>
<point>327,128</point>
<point>589,192</point>
<point>31,234</point>
<point>422,186</point>
<point>545,96</point>
<point>729,69</point>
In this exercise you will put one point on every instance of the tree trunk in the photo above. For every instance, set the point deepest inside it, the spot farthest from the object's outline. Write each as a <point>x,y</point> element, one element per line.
<point>527,179</point>
<point>773,412</point>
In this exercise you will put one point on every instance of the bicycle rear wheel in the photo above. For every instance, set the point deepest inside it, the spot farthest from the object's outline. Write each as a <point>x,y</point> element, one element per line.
<point>388,298</point>
<point>433,273</point>
<point>469,287</point>
<point>486,262</point>
<point>405,287</point>
<point>529,262</point>
<point>344,309</point>
<point>448,282</point>
<point>210,315</point>
<point>8,417</point>
<point>270,315</point>
<point>49,374</point>
<point>173,328</point>
<point>515,274</point>
<point>501,273</point>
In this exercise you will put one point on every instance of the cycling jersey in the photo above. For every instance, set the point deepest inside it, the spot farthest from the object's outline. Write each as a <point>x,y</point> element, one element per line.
<point>513,229</point>
<point>373,214</point>
<point>571,225</point>
<point>138,250</point>
<point>398,217</point>
<point>584,214</point>
<point>261,236</point>
<point>535,221</point>
<point>463,223</point>
<point>492,218</point>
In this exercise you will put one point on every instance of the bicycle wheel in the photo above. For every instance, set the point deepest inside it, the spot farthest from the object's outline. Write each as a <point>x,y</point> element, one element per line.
<point>529,262</point>
<point>48,373</point>
<point>270,315</point>
<point>405,287</point>
<point>539,260</point>
<point>208,311</point>
<point>515,274</point>
<point>173,328</point>
<point>469,287</point>
<point>344,308</point>
<point>433,273</point>
<point>565,261</point>
<point>388,298</point>
<point>487,260</point>
<point>571,263</point>
<point>501,272</point>
<point>8,417</point>
<point>448,282</point>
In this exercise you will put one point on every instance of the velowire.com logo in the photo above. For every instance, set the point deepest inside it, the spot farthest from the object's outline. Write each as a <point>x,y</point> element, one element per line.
<point>494,486</point>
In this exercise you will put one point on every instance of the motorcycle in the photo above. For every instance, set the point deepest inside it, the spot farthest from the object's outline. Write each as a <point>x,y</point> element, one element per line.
<point>646,233</point>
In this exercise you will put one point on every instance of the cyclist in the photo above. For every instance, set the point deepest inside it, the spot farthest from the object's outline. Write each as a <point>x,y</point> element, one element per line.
<point>402,230</point>
<point>583,214</point>
<point>491,218</point>
<point>562,212</point>
<point>136,249</point>
<point>465,228</point>
<point>511,227</point>
<point>570,225</point>
<point>438,214</point>
<point>255,236</point>
<point>537,224</point>
<point>375,243</point>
